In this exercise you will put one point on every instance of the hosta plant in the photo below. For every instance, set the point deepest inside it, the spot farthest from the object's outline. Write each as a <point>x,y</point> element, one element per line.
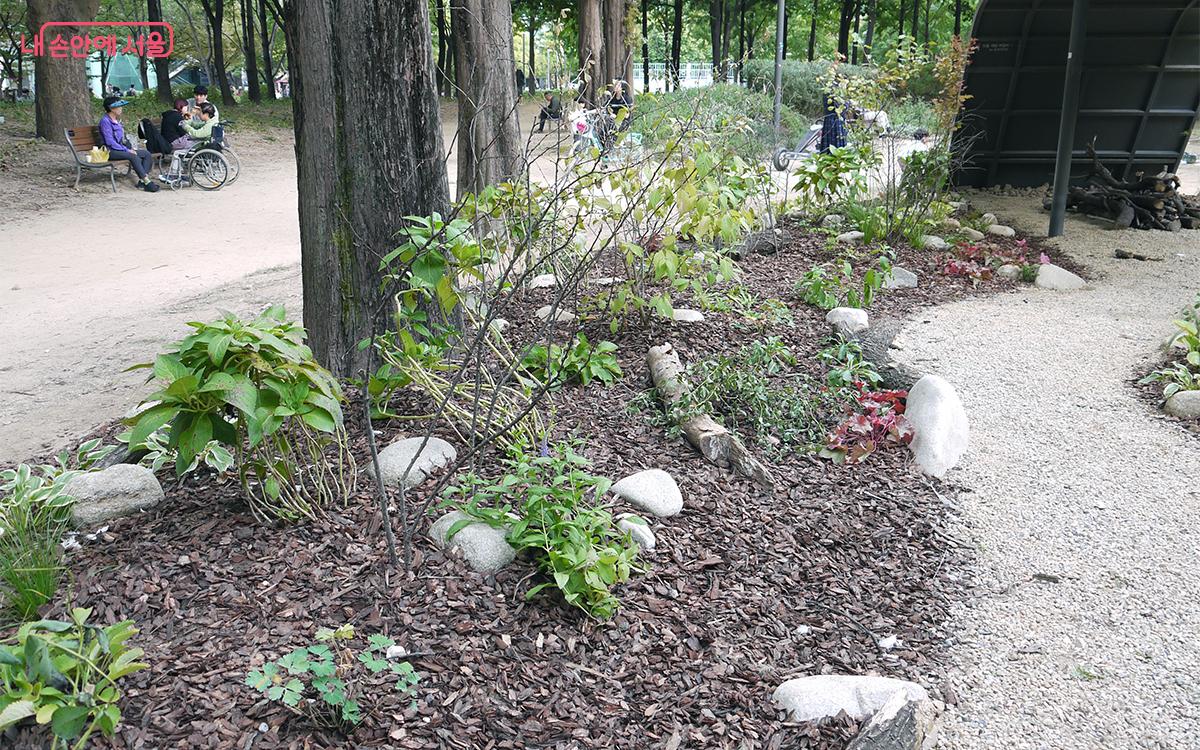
<point>66,674</point>
<point>1178,377</point>
<point>876,422</point>
<point>34,512</point>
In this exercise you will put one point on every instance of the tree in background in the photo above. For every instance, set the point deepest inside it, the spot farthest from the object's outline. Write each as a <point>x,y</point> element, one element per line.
<point>591,48</point>
<point>63,97</point>
<point>249,53</point>
<point>214,13</point>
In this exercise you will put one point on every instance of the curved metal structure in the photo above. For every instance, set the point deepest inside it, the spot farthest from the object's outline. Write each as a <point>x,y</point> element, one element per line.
<point>1138,94</point>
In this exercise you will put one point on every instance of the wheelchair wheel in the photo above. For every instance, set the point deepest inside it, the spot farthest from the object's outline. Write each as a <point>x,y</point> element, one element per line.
<point>235,164</point>
<point>779,161</point>
<point>209,170</point>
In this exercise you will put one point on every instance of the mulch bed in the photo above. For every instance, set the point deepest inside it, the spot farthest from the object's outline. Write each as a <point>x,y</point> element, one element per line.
<point>745,590</point>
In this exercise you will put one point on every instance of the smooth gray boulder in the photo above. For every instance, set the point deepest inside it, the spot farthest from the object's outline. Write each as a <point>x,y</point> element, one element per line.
<point>900,278</point>
<point>848,320</point>
<point>547,313</point>
<point>832,221</point>
<point>1010,271</point>
<point>1050,276</point>
<point>988,219</point>
<point>999,230</point>
<point>933,242</point>
<point>394,461</point>
<point>117,491</point>
<point>821,696</point>
<point>974,235</point>
<point>639,532</point>
<point>851,237</point>
<point>653,491</point>
<point>939,421</point>
<point>543,281</point>
<point>484,547</point>
<point>1184,404</point>
<point>951,223</point>
<point>684,315</point>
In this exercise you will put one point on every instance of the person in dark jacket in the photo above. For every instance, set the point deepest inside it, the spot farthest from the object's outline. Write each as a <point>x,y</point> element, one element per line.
<point>112,136</point>
<point>833,126</point>
<point>172,125</point>
<point>551,110</point>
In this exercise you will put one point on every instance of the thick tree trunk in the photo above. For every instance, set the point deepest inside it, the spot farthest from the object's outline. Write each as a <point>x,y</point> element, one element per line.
<point>443,50</point>
<point>214,13</point>
<point>645,48</point>
<point>676,45</point>
<point>716,22</point>
<point>254,91</point>
<point>727,13</point>
<point>957,17</point>
<point>927,2</point>
<point>812,31</point>
<point>162,66</point>
<point>844,22</point>
<point>368,154</point>
<point>489,141</point>
<point>531,79</point>
<point>268,63</point>
<point>618,52</point>
<point>916,19</point>
<point>63,98</point>
<point>591,49</point>
<point>872,9</point>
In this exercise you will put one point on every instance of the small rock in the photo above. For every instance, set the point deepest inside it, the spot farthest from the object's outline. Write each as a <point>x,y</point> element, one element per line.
<point>484,547</point>
<point>999,230</point>
<point>940,428</point>
<point>184,560</point>
<point>543,281</point>
<point>974,235</point>
<point>933,242</point>
<point>653,491</point>
<point>605,280</point>
<point>396,652</point>
<point>117,491</point>
<point>988,219</point>
<point>820,696</point>
<point>848,320</point>
<point>546,312</point>
<point>263,727</point>
<point>851,237</point>
<point>394,461</point>
<point>901,278</point>
<point>831,221</point>
<point>1009,271</point>
<point>499,324</point>
<point>889,643</point>
<point>1050,276</point>
<point>951,223</point>
<point>640,532</point>
<point>762,242</point>
<point>684,315</point>
<point>958,206</point>
<point>1184,404</point>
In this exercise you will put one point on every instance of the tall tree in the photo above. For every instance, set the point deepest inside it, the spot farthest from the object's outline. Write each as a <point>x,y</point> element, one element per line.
<point>162,66</point>
<point>812,31</point>
<point>214,13</point>
<point>489,141</point>
<point>676,45</point>
<point>368,154</point>
<point>872,10</point>
<point>645,47</point>
<point>591,49</point>
<point>268,61</point>
<point>618,55</point>
<point>958,17</point>
<point>531,74</point>
<point>443,50</point>
<point>249,52</point>
<point>63,99</point>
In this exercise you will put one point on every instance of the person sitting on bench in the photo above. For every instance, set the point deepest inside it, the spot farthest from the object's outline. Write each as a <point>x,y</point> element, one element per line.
<point>112,136</point>
<point>551,110</point>
<point>172,126</point>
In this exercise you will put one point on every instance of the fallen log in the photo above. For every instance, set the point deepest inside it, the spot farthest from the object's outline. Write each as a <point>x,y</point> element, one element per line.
<point>717,444</point>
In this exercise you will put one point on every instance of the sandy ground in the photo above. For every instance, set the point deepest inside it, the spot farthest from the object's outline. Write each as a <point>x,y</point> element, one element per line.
<point>1071,477</point>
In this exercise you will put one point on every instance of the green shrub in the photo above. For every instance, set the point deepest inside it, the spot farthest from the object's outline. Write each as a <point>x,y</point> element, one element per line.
<point>65,674</point>
<point>1178,377</point>
<point>582,362</point>
<point>827,288</point>
<point>847,365</point>
<point>559,520</point>
<point>804,83</point>
<point>746,117</point>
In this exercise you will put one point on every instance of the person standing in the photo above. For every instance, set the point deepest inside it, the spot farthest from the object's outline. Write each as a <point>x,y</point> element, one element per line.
<point>200,96</point>
<point>112,136</point>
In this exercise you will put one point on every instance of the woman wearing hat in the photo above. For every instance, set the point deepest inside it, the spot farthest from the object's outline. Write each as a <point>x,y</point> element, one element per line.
<point>112,136</point>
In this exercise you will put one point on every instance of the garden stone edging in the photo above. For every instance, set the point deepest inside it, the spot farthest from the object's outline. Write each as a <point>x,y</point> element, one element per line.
<point>1055,278</point>
<point>120,490</point>
<point>860,696</point>
<point>941,431</point>
<point>848,320</point>
<point>1183,404</point>
<point>394,461</point>
<point>485,548</point>
<point>653,491</point>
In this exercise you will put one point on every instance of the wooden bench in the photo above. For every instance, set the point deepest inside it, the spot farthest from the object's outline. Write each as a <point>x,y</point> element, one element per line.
<point>81,140</point>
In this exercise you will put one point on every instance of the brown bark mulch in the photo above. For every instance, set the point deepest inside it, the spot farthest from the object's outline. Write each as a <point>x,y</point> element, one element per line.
<point>745,589</point>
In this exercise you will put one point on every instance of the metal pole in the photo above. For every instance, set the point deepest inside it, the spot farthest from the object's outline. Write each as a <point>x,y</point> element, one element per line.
<point>779,62</point>
<point>1070,112</point>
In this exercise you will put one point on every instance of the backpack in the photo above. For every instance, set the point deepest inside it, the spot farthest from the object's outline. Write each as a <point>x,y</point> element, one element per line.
<point>154,140</point>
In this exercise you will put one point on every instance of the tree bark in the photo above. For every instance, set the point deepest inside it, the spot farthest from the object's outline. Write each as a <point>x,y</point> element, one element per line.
<point>443,50</point>
<point>618,53</point>
<point>676,45</point>
<point>812,31</point>
<point>716,22</point>
<point>368,154</point>
<point>849,9</point>
<point>854,42</point>
<point>268,72</point>
<point>958,18</point>
<point>489,141</point>
<point>591,49</point>
<point>645,48</point>
<point>162,66</point>
<point>916,19</point>
<point>254,91</point>
<point>872,10</point>
<point>63,98</point>
<point>531,79</point>
<point>214,12</point>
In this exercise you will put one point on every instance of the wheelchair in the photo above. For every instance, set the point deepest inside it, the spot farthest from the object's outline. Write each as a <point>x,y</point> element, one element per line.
<point>209,166</point>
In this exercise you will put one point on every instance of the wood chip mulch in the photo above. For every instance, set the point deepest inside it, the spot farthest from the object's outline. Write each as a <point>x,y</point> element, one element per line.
<point>745,589</point>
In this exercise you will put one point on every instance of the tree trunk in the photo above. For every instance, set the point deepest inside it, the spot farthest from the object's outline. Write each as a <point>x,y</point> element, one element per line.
<point>872,9</point>
<point>368,154</point>
<point>162,66</point>
<point>443,50</point>
<point>902,7</point>
<point>727,13</point>
<point>268,62</point>
<point>958,18</point>
<point>857,19</point>
<point>927,2</point>
<point>812,31</point>
<point>144,72</point>
<point>63,98</point>
<point>489,141</point>
<point>844,22</point>
<point>591,49</point>
<point>531,79</point>
<point>716,22</point>
<point>645,49</point>
<point>676,45</point>
<point>916,19</point>
<point>254,91</point>
<point>741,38</point>
<point>618,53</point>
<point>214,12</point>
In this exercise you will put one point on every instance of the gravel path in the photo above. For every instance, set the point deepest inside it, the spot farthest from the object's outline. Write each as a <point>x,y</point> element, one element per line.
<point>1070,476</point>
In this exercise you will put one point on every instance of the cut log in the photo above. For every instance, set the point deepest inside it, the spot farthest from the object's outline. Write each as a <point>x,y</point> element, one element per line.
<point>902,724</point>
<point>717,444</point>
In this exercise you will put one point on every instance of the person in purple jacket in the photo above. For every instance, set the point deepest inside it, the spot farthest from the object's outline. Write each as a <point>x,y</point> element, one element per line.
<point>112,136</point>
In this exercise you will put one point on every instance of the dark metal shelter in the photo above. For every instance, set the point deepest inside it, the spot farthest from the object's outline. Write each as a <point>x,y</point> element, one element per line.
<point>1049,76</point>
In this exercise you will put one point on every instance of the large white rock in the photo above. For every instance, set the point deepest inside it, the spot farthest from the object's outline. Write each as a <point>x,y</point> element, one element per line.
<point>547,312</point>
<point>1010,271</point>
<point>394,461</point>
<point>543,281</point>
<point>640,532</point>
<point>851,237</point>
<point>832,221</point>
<point>1050,276</point>
<point>999,230</point>
<point>848,320</point>
<point>939,422</point>
<point>117,491</point>
<point>1184,404</point>
<point>684,315</point>
<point>988,219</point>
<point>933,242</point>
<point>821,696</point>
<point>974,235</point>
<point>901,278</point>
<point>484,547</point>
<point>653,491</point>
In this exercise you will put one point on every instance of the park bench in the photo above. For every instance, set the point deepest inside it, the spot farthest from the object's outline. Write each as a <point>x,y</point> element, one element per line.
<point>81,140</point>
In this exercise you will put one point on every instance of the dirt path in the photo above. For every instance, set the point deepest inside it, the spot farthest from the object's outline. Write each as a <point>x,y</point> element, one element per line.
<point>1075,480</point>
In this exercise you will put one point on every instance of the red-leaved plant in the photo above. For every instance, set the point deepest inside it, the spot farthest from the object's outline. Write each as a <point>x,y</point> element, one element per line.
<point>978,264</point>
<point>875,422</point>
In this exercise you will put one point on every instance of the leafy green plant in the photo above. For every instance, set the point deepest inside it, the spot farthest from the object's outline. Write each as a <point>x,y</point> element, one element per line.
<point>847,365</point>
<point>254,387</point>
<point>1188,335</point>
<point>65,674</point>
<point>34,512</point>
<point>1177,377</point>
<point>159,453</point>
<point>827,179</point>
<point>744,116</point>
<point>556,366</point>
<point>558,520</point>
<point>828,288</point>
<point>323,681</point>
